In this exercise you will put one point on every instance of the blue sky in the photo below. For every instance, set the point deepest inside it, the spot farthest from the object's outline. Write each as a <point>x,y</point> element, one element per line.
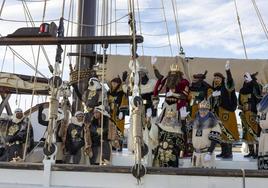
<point>208,29</point>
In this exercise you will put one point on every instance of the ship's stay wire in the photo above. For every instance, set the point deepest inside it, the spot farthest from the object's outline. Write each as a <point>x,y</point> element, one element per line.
<point>260,18</point>
<point>240,29</point>
<point>33,92</point>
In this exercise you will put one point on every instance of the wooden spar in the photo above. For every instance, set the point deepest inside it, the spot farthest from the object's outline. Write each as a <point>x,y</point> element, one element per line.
<point>123,39</point>
<point>5,104</point>
<point>150,170</point>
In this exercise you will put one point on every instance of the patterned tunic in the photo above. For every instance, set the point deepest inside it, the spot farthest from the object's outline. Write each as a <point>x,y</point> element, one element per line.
<point>249,97</point>
<point>205,134</point>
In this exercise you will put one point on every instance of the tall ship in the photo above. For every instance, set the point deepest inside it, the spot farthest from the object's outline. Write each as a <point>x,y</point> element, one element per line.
<point>105,93</point>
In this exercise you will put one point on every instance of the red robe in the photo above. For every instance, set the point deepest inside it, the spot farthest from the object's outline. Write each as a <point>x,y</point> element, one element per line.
<point>182,88</point>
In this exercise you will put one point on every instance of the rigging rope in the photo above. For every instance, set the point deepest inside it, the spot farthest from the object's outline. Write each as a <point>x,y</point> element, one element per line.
<point>154,35</point>
<point>33,25</point>
<point>166,24</point>
<point>33,92</point>
<point>4,58</point>
<point>240,29</point>
<point>80,50</point>
<point>260,18</point>
<point>110,20</point>
<point>143,8</point>
<point>71,48</point>
<point>22,59</point>
<point>64,50</point>
<point>178,35</point>
<point>63,7</point>
<point>23,21</point>
<point>139,16</point>
<point>2,7</point>
<point>105,15</point>
<point>138,170</point>
<point>25,14</point>
<point>115,27</point>
<point>98,25</point>
<point>25,61</point>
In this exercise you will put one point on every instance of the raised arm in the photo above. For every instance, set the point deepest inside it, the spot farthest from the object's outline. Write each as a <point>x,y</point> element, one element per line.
<point>229,81</point>
<point>77,92</point>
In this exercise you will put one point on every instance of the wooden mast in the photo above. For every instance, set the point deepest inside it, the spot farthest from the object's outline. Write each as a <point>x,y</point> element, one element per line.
<point>86,17</point>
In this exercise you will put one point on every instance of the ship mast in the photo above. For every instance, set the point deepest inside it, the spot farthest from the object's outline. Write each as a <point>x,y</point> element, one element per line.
<point>85,53</point>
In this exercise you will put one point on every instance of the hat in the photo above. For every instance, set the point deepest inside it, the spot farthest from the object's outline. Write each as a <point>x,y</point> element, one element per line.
<point>200,76</point>
<point>253,76</point>
<point>117,80</point>
<point>218,74</point>
<point>102,110</point>
<point>142,69</point>
<point>18,110</point>
<point>78,113</point>
<point>204,104</point>
<point>94,84</point>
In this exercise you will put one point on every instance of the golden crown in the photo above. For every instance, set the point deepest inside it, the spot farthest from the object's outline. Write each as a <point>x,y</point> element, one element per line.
<point>174,67</point>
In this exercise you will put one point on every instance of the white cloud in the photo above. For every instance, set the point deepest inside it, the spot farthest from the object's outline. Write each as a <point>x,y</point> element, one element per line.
<point>211,24</point>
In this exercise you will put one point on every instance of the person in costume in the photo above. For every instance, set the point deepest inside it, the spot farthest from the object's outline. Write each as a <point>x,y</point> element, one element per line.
<point>249,97</point>
<point>118,103</point>
<point>176,88</point>
<point>206,133</point>
<point>107,134</point>
<point>78,142</point>
<point>262,108</point>
<point>16,137</point>
<point>167,133</point>
<point>224,104</point>
<point>199,90</point>
<point>92,97</point>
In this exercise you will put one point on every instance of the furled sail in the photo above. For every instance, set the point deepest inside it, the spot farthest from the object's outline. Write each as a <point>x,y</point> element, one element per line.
<point>22,84</point>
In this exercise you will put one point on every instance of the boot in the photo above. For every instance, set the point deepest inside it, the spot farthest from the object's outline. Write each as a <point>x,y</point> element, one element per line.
<point>229,152</point>
<point>255,156</point>
<point>120,149</point>
<point>251,151</point>
<point>188,150</point>
<point>223,150</point>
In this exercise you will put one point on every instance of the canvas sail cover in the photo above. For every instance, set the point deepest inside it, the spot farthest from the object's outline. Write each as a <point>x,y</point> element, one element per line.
<point>22,84</point>
<point>118,63</point>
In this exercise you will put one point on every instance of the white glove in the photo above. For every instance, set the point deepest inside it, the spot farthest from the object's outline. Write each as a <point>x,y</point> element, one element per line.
<point>183,112</point>
<point>120,115</point>
<point>99,131</point>
<point>149,112</point>
<point>247,77</point>
<point>153,60</point>
<point>227,65</point>
<point>216,93</point>
<point>170,93</point>
<point>207,157</point>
